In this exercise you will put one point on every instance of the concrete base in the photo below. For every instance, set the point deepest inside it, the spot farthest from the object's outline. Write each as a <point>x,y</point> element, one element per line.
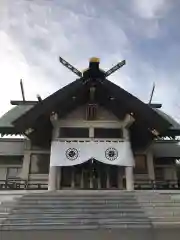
<point>125,234</point>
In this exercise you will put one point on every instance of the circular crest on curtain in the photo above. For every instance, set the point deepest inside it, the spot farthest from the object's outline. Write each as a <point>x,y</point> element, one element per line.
<point>111,154</point>
<point>72,154</point>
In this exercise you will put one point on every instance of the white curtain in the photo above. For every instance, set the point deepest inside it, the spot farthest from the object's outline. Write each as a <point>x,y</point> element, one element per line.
<point>69,153</point>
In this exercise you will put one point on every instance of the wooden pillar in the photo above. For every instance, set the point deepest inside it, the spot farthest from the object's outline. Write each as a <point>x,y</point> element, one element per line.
<point>150,166</point>
<point>91,180</point>
<point>120,178</point>
<point>26,164</point>
<point>107,178</point>
<point>129,179</point>
<point>73,177</point>
<point>82,179</point>
<point>52,178</point>
<point>99,179</point>
<point>58,184</point>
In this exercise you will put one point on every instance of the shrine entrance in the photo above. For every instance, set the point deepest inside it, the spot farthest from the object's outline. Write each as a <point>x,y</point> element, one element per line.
<point>92,175</point>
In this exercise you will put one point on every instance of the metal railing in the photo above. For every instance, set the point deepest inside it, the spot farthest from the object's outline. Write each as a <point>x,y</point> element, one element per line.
<point>36,184</point>
<point>156,184</point>
<point>20,184</point>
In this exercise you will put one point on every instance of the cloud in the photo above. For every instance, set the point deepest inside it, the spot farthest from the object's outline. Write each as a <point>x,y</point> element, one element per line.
<point>34,33</point>
<point>151,9</point>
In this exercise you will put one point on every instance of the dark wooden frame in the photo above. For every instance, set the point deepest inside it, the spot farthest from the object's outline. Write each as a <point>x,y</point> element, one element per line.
<point>145,156</point>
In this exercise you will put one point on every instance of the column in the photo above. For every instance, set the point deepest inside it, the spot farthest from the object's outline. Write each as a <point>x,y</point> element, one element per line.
<point>25,167</point>
<point>99,180</point>
<point>91,132</point>
<point>52,178</point>
<point>129,179</point>
<point>58,183</point>
<point>175,177</point>
<point>120,178</point>
<point>26,160</point>
<point>73,177</point>
<point>108,178</point>
<point>125,134</point>
<point>82,179</point>
<point>150,166</point>
<point>91,180</point>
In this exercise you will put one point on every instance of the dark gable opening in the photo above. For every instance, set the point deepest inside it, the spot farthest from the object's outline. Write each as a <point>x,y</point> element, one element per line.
<point>164,161</point>
<point>72,132</point>
<point>108,133</point>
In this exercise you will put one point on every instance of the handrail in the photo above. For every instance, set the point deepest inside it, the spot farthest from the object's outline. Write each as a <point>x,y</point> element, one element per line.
<point>88,140</point>
<point>157,184</point>
<point>37,184</point>
<point>21,184</point>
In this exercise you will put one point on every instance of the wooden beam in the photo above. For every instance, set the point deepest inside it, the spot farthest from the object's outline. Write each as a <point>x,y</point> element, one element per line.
<point>22,90</point>
<point>17,102</point>
<point>155,105</point>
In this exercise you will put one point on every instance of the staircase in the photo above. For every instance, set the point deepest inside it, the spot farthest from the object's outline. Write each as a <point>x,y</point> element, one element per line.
<point>7,201</point>
<point>73,210</point>
<point>162,208</point>
<point>93,215</point>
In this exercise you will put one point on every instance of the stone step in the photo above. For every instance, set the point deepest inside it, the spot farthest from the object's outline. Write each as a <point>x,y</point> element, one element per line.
<point>73,206</point>
<point>76,210</point>
<point>49,226</point>
<point>164,219</point>
<point>78,197</point>
<point>160,204</point>
<point>158,201</point>
<point>162,213</point>
<point>84,192</point>
<point>87,204</point>
<point>98,201</point>
<point>160,210</point>
<point>74,201</point>
<point>83,205</point>
<point>76,216</point>
<point>77,220</point>
<point>155,199</point>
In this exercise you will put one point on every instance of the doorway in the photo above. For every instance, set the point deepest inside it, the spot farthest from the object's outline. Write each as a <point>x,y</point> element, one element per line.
<point>90,175</point>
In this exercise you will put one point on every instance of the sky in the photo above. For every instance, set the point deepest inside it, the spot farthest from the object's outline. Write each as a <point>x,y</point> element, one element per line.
<point>34,33</point>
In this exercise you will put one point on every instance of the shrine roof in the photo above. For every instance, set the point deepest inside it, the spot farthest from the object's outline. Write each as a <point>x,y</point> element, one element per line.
<point>111,96</point>
<point>6,126</point>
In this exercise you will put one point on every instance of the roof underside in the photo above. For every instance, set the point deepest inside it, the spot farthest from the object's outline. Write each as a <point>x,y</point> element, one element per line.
<point>107,94</point>
<point>174,129</point>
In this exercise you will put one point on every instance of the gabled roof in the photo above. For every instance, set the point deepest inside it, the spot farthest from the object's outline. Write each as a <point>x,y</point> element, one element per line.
<point>107,94</point>
<point>142,112</point>
<point>174,129</point>
<point>49,104</point>
<point>6,120</point>
<point>174,124</point>
<point>62,101</point>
